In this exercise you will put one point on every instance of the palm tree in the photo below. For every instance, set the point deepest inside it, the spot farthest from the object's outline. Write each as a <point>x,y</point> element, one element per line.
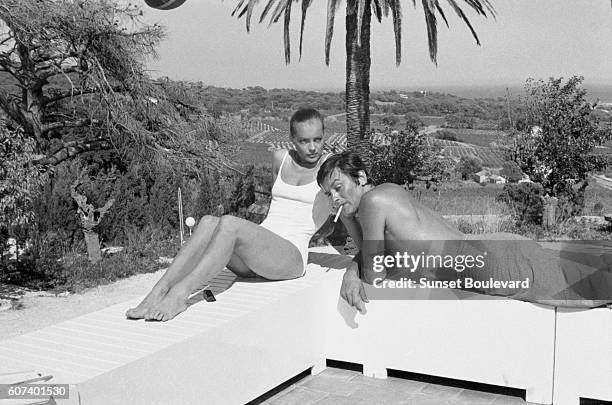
<point>358,18</point>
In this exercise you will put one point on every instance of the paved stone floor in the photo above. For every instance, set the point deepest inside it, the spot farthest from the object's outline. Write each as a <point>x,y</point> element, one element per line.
<point>337,386</point>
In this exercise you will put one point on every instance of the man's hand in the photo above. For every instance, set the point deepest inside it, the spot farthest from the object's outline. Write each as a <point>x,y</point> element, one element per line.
<point>352,290</point>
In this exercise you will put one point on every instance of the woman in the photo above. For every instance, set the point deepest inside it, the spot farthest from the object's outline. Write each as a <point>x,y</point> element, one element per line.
<point>277,249</point>
<point>392,223</point>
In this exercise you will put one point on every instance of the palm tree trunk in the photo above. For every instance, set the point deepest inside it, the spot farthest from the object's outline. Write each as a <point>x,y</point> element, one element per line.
<point>358,80</point>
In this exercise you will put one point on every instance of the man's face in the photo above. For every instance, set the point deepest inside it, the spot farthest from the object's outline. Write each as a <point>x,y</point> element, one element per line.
<point>343,191</point>
<point>308,140</point>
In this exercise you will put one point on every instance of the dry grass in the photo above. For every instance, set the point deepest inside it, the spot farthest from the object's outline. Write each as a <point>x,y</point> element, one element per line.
<point>478,224</point>
<point>473,209</point>
<point>462,198</point>
<point>595,193</point>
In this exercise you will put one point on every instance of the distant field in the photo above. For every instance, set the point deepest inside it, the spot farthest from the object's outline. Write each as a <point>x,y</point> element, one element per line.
<point>249,153</point>
<point>480,137</point>
<point>465,198</point>
<point>462,198</point>
<point>433,120</point>
<point>331,126</point>
<point>283,125</point>
<point>490,157</point>
<point>456,198</point>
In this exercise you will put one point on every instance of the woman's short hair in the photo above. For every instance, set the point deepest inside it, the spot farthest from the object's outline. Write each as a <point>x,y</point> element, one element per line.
<point>348,162</point>
<point>303,115</point>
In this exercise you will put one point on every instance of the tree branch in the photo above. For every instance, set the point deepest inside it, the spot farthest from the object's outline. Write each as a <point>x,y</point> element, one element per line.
<point>71,149</point>
<point>69,93</point>
<point>11,107</point>
<point>90,216</point>
<point>64,70</point>
<point>68,124</point>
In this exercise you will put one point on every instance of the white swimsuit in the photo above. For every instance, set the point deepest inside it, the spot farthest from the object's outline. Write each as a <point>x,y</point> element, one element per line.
<point>291,215</point>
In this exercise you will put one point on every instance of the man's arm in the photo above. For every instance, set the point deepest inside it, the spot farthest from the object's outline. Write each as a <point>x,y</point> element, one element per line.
<point>352,289</point>
<point>353,228</point>
<point>372,218</point>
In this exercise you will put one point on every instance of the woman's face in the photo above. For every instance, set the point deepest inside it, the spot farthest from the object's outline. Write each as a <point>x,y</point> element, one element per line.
<point>308,140</point>
<point>344,191</point>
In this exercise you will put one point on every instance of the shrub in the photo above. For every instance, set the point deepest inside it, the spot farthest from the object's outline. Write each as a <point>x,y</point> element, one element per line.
<point>20,183</point>
<point>464,226</point>
<point>526,201</point>
<point>390,120</point>
<point>413,121</point>
<point>212,196</point>
<point>511,172</point>
<point>40,266</point>
<point>468,166</point>
<point>54,209</point>
<point>598,208</point>
<point>558,150</point>
<point>446,135</point>
<point>406,158</point>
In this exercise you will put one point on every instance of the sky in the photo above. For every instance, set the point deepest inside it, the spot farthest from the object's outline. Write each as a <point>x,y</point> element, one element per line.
<point>528,38</point>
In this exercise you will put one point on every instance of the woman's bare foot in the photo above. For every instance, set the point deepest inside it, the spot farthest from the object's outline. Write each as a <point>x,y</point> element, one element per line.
<point>154,297</point>
<point>169,307</point>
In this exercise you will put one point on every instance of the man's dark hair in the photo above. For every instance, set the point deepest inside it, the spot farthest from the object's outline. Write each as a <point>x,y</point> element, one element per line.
<point>303,115</point>
<point>348,162</point>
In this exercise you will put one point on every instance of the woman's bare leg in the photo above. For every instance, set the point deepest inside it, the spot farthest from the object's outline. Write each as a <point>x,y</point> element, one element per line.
<point>185,262</point>
<point>258,249</point>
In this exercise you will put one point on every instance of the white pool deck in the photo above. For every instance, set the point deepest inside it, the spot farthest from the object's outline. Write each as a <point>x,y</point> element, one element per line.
<point>259,334</point>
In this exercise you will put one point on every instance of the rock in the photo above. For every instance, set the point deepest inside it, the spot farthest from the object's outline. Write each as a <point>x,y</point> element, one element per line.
<point>591,219</point>
<point>5,305</point>
<point>112,249</point>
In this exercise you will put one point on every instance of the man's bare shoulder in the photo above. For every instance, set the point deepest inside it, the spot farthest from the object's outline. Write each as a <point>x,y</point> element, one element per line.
<point>384,194</point>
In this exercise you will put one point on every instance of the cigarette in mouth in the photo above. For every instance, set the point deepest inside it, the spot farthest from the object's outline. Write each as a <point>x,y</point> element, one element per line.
<point>338,213</point>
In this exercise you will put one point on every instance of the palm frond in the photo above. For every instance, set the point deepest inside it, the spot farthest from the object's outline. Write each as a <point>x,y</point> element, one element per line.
<point>376,9</point>
<point>396,12</point>
<point>332,6</point>
<point>243,12</point>
<point>279,10</point>
<point>442,14</point>
<point>266,10</point>
<point>386,7</point>
<point>240,3</point>
<point>286,39</point>
<point>476,5</point>
<point>305,5</point>
<point>462,15</point>
<point>432,29</point>
<point>481,7</point>
<point>250,8</point>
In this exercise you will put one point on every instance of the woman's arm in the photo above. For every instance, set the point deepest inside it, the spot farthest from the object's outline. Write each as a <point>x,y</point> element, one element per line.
<point>277,159</point>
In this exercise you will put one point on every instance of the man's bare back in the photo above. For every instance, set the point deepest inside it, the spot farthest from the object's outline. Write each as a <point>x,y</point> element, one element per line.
<point>404,218</point>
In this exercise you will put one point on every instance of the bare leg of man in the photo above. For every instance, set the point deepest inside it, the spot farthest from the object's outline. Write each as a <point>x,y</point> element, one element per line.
<point>243,245</point>
<point>185,262</point>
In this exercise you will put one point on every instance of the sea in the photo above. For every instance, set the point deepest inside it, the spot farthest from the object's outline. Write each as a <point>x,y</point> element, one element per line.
<point>595,92</point>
